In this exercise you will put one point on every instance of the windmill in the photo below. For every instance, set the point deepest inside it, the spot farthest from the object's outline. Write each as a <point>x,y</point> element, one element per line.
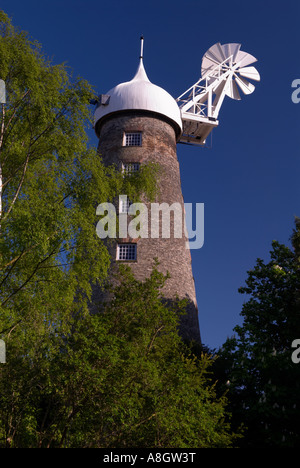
<point>140,123</point>
<point>225,71</point>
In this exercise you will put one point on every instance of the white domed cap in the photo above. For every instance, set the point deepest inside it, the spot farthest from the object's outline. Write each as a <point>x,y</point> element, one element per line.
<point>139,94</point>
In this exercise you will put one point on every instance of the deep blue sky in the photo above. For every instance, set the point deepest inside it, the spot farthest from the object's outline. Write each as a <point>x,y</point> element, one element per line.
<point>249,179</point>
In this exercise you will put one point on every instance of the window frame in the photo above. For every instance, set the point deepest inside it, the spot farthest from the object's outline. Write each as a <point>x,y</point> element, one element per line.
<point>129,168</point>
<point>131,247</point>
<point>124,204</point>
<point>131,139</point>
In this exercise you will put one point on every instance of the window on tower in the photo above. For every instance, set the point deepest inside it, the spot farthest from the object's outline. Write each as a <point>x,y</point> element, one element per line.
<point>124,204</point>
<point>133,139</point>
<point>130,168</point>
<point>126,252</point>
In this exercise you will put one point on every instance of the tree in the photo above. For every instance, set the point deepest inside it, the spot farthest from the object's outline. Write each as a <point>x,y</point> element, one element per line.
<point>45,163</point>
<point>263,380</point>
<point>122,378</point>
<point>51,182</point>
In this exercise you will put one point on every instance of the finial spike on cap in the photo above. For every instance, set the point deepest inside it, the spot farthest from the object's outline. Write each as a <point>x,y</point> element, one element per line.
<point>142,46</point>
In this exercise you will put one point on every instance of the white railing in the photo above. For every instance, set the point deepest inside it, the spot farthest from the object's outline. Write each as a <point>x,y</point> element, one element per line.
<point>197,100</point>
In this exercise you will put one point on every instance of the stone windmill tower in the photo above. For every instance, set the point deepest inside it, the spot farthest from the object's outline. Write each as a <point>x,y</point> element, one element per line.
<point>137,123</point>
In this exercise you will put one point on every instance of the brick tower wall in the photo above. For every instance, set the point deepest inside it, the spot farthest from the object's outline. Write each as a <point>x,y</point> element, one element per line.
<point>158,146</point>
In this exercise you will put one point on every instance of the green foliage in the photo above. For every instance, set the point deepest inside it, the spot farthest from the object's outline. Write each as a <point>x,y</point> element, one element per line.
<point>51,182</point>
<point>264,382</point>
<point>120,378</point>
<point>44,162</point>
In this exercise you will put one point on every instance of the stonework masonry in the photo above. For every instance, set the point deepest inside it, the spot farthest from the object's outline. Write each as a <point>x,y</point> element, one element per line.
<point>158,146</point>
